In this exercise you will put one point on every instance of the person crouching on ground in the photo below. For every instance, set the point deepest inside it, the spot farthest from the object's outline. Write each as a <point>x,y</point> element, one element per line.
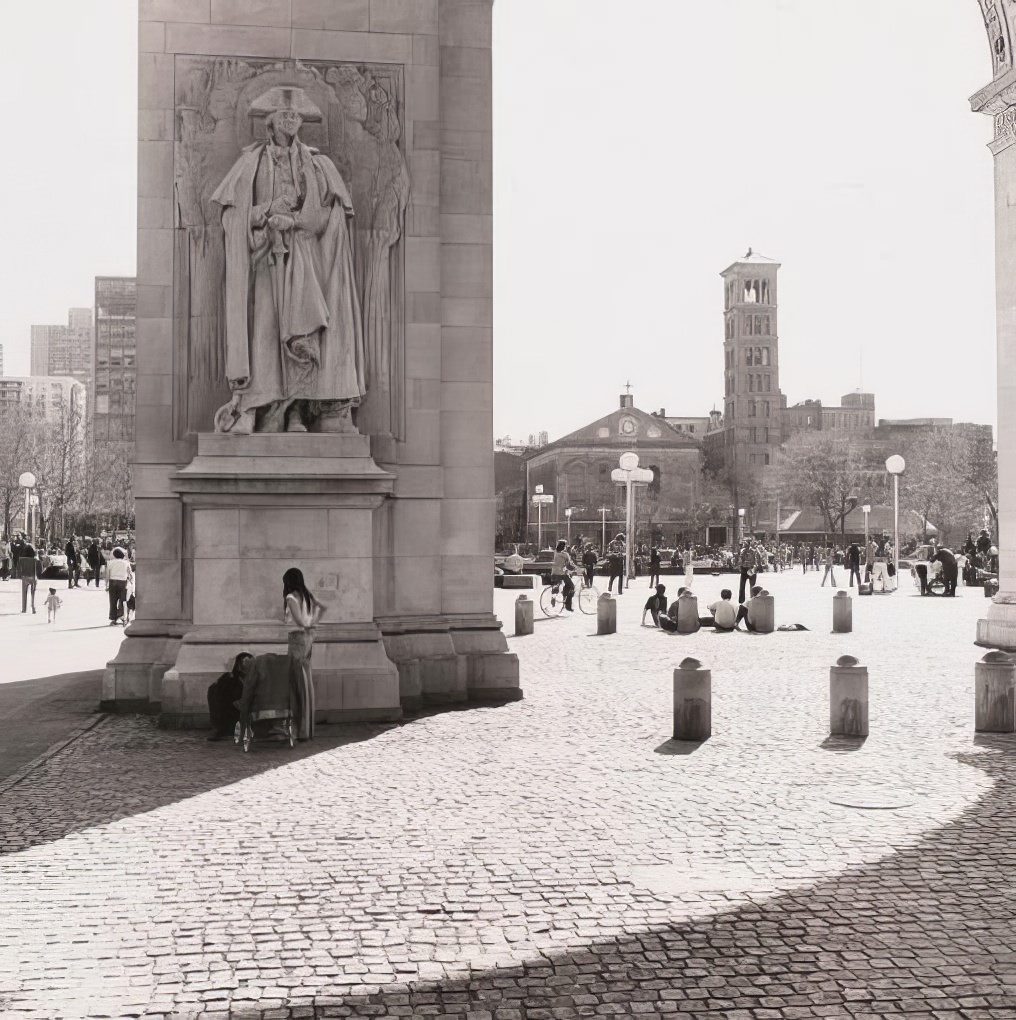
<point>118,574</point>
<point>559,573</point>
<point>656,604</point>
<point>724,614</point>
<point>52,604</point>
<point>223,695</point>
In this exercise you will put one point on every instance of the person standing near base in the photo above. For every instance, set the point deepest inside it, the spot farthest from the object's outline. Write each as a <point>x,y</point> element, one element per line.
<point>118,575</point>
<point>615,557</point>
<point>73,563</point>
<point>301,613</point>
<point>829,560</point>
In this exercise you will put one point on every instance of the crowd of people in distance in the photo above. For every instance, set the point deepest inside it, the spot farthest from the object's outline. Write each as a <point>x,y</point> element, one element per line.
<point>89,559</point>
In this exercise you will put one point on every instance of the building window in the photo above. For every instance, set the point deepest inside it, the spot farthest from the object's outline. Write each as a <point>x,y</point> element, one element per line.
<point>758,325</point>
<point>748,356</point>
<point>758,356</point>
<point>751,408</point>
<point>765,355</point>
<point>766,460</point>
<point>768,384</point>
<point>751,383</point>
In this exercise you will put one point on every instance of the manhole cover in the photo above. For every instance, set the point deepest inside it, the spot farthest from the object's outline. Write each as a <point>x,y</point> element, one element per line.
<point>874,799</point>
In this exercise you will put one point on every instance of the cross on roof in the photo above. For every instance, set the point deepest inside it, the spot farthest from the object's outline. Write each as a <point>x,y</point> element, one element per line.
<point>627,387</point>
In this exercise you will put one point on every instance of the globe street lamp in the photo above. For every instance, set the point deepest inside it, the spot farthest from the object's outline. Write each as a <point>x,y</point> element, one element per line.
<point>629,474</point>
<point>866,509</point>
<point>27,481</point>
<point>740,525</point>
<point>567,514</point>
<point>603,535</point>
<point>896,465</point>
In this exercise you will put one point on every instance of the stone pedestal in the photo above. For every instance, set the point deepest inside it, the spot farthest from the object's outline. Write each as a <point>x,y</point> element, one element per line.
<point>523,616</point>
<point>843,613</point>
<point>995,694</point>
<point>253,506</point>
<point>848,698</point>
<point>606,614</point>
<point>764,612</point>
<point>693,701</point>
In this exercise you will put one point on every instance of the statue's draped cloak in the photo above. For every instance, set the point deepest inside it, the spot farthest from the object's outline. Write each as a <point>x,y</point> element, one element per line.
<point>312,294</point>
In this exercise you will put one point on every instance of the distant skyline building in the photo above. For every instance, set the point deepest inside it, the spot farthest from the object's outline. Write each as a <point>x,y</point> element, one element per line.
<point>53,398</point>
<point>115,359</point>
<point>65,350</point>
<point>1,359</point>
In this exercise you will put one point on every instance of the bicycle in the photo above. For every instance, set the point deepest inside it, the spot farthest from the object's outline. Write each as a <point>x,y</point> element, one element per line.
<point>552,598</point>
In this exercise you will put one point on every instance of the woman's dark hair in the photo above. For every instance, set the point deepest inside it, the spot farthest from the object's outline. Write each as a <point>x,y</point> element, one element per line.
<point>239,660</point>
<point>292,581</point>
<point>118,553</point>
<point>561,543</point>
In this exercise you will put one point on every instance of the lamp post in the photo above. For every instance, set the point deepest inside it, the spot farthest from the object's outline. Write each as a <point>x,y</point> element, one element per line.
<point>27,481</point>
<point>866,509</point>
<point>740,525</point>
<point>896,465</point>
<point>629,474</point>
<point>567,514</point>
<point>603,534</point>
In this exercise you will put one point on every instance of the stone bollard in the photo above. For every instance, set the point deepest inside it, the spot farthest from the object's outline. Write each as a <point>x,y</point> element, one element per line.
<point>763,609</point>
<point>848,698</point>
<point>843,613</point>
<point>523,616</point>
<point>606,614</point>
<point>995,694</point>
<point>693,701</point>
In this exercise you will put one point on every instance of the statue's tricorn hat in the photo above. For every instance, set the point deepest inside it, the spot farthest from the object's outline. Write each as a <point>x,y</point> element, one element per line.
<point>286,97</point>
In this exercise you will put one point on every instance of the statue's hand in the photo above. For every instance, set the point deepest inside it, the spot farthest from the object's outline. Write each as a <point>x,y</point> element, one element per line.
<point>259,216</point>
<point>281,222</point>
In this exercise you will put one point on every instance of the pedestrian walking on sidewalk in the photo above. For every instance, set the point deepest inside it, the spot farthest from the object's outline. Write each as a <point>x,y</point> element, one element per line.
<point>52,604</point>
<point>29,571</point>
<point>73,563</point>
<point>829,559</point>
<point>94,555</point>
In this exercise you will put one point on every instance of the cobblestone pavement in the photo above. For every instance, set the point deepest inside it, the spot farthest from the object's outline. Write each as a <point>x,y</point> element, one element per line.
<point>552,858</point>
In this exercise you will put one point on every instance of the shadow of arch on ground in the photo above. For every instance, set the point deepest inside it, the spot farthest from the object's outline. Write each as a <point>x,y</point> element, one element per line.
<point>928,933</point>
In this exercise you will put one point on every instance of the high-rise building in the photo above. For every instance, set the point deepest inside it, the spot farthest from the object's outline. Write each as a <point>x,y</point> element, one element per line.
<point>48,397</point>
<point>65,350</point>
<point>113,403</point>
<point>1,359</point>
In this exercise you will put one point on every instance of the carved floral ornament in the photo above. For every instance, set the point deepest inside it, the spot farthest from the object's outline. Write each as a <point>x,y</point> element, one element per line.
<point>1005,129</point>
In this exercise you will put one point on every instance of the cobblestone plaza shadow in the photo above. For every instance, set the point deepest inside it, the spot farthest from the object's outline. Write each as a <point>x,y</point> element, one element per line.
<point>927,933</point>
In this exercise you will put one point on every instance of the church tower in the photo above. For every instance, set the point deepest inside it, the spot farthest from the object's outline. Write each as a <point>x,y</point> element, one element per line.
<point>752,401</point>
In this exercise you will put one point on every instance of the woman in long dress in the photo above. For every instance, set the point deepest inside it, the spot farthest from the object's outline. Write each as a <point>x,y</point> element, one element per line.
<point>302,612</point>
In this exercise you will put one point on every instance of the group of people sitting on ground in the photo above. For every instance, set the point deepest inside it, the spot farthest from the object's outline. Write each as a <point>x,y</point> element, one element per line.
<point>682,615</point>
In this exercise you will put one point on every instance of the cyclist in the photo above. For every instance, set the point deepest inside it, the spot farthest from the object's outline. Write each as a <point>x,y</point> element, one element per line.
<point>559,573</point>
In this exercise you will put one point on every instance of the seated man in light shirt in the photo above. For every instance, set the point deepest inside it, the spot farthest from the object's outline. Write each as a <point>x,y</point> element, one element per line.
<point>724,613</point>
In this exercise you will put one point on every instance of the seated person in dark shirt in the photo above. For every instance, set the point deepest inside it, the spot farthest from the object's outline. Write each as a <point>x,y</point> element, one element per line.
<point>224,693</point>
<point>655,604</point>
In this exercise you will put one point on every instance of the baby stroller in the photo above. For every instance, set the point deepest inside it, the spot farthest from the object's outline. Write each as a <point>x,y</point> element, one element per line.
<point>266,706</point>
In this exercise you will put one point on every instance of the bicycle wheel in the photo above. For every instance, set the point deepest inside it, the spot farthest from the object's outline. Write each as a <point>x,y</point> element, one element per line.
<point>551,600</point>
<point>587,599</point>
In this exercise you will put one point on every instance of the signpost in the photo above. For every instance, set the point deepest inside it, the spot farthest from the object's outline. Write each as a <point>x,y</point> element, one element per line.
<point>27,481</point>
<point>540,499</point>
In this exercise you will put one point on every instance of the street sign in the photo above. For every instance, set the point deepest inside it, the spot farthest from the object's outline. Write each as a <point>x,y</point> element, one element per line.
<point>543,499</point>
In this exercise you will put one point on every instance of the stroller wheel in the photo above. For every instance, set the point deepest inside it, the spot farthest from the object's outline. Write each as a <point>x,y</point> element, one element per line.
<point>291,733</point>
<point>248,738</point>
<point>237,734</point>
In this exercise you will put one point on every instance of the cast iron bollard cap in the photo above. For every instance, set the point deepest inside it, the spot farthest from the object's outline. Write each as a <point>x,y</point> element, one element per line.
<point>522,598</point>
<point>996,655</point>
<point>841,595</point>
<point>690,663</point>
<point>847,660</point>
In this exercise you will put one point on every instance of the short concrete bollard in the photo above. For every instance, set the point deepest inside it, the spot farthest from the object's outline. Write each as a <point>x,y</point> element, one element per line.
<point>606,614</point>
<point>843,613</point>
<point>848,698</point>
<point>763,611</point>
<point>523,616</point>
<point>995,694</point>
<point>693,701</point>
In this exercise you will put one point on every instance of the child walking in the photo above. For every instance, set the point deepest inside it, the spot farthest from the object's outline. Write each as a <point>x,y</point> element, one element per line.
<point>52,603</point>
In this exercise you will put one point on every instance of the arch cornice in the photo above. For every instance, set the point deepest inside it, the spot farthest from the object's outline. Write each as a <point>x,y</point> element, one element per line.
<point>998,99</point>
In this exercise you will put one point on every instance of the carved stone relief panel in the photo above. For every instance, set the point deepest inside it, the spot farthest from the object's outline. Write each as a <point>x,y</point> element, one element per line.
<point>353,117</point>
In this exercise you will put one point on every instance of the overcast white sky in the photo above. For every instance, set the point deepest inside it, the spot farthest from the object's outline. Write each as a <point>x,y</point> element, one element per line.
<point>640,148</point>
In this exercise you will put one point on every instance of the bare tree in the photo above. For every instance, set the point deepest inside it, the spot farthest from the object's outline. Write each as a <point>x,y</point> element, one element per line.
<point>16,457</point>
<point>819,469</point>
